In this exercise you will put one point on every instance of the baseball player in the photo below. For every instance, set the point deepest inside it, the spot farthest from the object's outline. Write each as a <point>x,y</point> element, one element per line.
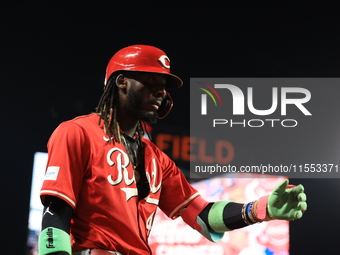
<point>104,180</point>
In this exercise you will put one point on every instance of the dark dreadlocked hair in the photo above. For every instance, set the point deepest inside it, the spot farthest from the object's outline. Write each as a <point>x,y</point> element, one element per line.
<point>107,110</point>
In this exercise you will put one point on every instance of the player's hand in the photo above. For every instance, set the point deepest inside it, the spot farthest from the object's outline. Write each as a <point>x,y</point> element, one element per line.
<point>287,202</point>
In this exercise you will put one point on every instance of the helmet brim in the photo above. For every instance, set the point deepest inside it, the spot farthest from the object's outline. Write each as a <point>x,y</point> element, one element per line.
<point>172,80</point>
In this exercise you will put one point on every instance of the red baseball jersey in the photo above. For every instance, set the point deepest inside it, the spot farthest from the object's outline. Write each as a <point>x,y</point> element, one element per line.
<point>97,180</point>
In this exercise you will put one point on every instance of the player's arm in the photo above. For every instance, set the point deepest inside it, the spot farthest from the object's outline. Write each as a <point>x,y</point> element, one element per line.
<point>54,238</point>
<point>286,202</point>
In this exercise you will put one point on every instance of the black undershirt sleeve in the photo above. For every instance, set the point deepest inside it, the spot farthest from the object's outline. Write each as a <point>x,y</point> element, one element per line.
<point>231,216</point>
<point>57,214</point>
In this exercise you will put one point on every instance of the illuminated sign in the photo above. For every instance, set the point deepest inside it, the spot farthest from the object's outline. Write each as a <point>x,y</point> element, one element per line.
<point>191,148</point>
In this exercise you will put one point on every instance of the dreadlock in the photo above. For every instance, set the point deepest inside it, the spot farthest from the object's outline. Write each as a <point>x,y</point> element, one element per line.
<point>107,110</point>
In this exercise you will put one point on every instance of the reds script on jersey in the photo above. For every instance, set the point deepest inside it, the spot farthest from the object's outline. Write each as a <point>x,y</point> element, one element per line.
<point>97,179</point>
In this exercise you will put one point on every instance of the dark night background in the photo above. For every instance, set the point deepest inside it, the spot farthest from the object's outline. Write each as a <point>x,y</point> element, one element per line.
<point>53,60</point>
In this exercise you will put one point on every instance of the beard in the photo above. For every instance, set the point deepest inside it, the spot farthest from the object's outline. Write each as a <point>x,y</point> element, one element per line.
<point>135,101</point>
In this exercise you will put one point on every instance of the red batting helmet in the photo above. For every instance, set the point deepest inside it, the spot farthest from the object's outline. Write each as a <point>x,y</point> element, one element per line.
<point>142,58</point>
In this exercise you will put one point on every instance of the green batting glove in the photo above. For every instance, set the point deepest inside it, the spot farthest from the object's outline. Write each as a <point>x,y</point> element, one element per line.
<point>287,202</point>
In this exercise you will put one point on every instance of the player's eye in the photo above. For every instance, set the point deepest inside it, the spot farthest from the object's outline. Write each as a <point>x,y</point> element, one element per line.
<point>150,82</point>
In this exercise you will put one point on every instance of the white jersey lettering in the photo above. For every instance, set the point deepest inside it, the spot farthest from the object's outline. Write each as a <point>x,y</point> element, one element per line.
<point>152,181</point>
<point>120,166</point>
<point>121,162</point>
<point>149,222</point>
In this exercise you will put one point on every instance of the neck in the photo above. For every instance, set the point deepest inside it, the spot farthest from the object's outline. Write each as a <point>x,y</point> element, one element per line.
<point>127,122</point>
<point>129,131</point>
<point>128,126</point>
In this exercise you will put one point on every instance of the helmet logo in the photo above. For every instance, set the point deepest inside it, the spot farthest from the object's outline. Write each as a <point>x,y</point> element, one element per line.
<point>165,61</point>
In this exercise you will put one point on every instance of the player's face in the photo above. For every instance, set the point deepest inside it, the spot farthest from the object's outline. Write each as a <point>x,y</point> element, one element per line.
<point>145,95</point>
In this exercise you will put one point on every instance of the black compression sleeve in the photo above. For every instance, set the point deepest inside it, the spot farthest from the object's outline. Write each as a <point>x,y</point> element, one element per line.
<point>232,217</point>
<point>204,215</point>
<point>57,215</point>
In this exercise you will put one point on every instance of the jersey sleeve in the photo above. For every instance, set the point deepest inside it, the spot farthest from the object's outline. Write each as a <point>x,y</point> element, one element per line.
<point>68,158</point>
<point>176,192</point>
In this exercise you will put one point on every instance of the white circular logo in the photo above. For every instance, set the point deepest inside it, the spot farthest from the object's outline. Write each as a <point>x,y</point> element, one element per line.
<point>165,61</point>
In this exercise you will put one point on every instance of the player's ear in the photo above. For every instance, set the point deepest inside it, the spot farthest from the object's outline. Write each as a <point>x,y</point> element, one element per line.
<point>121,81</point>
